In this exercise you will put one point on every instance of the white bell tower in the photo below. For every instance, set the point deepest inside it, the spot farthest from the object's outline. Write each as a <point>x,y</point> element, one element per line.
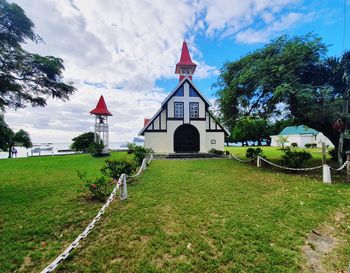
<point>101,123</point>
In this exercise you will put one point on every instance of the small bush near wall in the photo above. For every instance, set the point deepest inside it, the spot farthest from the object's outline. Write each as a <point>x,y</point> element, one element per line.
<point>216,152</point>
<point>295,159</point>
<point>139,152</point>
<point>310,145</point>
<point>254,152</point>
<point>294,144</point>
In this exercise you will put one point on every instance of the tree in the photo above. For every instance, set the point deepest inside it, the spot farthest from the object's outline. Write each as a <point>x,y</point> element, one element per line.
<point>83,141</point>
<point>282,140</point>
<point>250,129</point>
<point>8,138</point>
<point>289,76</point>
<point>26,77</point>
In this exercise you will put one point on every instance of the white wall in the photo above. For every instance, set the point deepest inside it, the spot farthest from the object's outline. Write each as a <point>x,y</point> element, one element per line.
<point>157,142</point>
<point>320,137</point>
<point>219,138</point>
<point>301,140</point>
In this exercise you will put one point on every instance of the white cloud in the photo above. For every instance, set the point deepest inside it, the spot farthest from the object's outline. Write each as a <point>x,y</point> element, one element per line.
<point>241,19</point>
<point>251,35</point>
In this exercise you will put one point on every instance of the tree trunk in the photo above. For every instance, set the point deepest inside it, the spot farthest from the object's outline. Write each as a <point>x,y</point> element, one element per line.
<point>10,151</point>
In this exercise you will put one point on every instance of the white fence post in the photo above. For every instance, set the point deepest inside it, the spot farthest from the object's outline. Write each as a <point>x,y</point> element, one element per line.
<point>326,174</point>
<point>258,162</point>
<point>229,156</point>
<point>144,164</point>
<point>123,190</point>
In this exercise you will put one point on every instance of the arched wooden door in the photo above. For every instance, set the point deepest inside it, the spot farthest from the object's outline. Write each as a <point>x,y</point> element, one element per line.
<point>186,139</point>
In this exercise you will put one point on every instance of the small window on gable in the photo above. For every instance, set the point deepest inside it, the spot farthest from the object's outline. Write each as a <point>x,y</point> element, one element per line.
<point>194,110</point>
<point>180,92</point>
<point>193,93</point>
<point>179,110</point>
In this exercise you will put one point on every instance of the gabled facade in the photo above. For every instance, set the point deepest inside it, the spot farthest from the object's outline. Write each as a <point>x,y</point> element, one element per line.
<point>184,122</point>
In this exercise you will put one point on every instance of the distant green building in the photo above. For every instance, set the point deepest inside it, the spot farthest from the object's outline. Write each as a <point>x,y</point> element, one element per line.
<point>301,135</point>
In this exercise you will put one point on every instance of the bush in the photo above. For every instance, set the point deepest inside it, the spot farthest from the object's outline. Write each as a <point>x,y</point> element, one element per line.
<point>254,152</point>
<point>310,145</point>
<point>131,147</point>
<point>216,152</point>
<point>295,159</point>
<point>139,152</point>
<point>83,141</point>
<point>99,187</point>
<point>96,149</point>
<point>115,168</point>
<point>294,144</point>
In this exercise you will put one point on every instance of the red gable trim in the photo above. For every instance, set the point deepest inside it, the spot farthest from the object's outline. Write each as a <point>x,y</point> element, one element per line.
<point>101,108</point>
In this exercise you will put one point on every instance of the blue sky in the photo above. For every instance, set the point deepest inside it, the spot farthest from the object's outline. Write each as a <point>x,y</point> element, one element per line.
<point>326,18</point>
<point>127,51</point>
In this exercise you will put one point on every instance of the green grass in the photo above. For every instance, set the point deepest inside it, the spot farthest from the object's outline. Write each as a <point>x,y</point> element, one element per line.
<point>274,153</point>
<point>42,203</point>
<point>181,216</point>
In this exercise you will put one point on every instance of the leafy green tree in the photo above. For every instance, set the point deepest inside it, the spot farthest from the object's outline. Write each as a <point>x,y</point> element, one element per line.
<point>83,141</point>
<point>288,76</point>
<point>26,77</point>
<point>6,134</point>
<point>8,138</point>
<point>250,129</point>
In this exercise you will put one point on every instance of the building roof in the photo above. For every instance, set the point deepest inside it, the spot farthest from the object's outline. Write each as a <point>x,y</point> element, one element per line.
<point>298,130</point>
<point>101,108</point>
<point>185,59</point>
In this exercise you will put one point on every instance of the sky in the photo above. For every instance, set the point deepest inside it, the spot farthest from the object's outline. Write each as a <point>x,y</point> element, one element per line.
<point>127,52</point>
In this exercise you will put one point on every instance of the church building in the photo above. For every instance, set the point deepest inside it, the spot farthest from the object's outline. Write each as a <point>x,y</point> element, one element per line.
<point>184,122</point>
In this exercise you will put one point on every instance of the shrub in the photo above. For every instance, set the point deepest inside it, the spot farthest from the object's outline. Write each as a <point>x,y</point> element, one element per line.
<point>310,145</point>
<point>254,152</point>
<point>139,152</point>
<point>98,186</point>
<point>216,152</point>
<point>295,159</point>
<point>115,168</point>
<point>96,149</point>
<point>131,147</point>
<point>294,144</point>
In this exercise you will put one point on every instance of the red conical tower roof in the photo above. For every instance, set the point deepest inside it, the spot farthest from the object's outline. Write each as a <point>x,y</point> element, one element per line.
<point>185,59</point>
<point>101,108</point>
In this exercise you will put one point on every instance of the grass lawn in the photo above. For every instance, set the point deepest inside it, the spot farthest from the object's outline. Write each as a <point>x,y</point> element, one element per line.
<point>274,153</point>
<point>42,207</point>
<point>181,216</point>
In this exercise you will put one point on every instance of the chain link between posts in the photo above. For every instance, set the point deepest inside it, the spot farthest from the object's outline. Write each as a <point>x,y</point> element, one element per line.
<point>288,168</point>
<point>91,225</point>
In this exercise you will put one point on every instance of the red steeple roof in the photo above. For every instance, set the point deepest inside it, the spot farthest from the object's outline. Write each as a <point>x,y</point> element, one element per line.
<point>101,108</point>
<point>185,59</point>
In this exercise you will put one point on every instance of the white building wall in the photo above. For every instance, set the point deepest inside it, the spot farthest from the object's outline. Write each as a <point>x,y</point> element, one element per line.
<point>218,137</point>
<point>200,125</point>
<point>157,142</point>
<point>320,137</point>
<point>301,140</point>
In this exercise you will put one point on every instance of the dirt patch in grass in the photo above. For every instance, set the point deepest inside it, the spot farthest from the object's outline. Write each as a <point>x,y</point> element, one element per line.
<point>322,245</point>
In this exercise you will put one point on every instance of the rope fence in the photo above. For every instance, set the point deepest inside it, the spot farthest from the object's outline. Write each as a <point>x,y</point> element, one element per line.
<point>123,195</point>
<point>326,169</point>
